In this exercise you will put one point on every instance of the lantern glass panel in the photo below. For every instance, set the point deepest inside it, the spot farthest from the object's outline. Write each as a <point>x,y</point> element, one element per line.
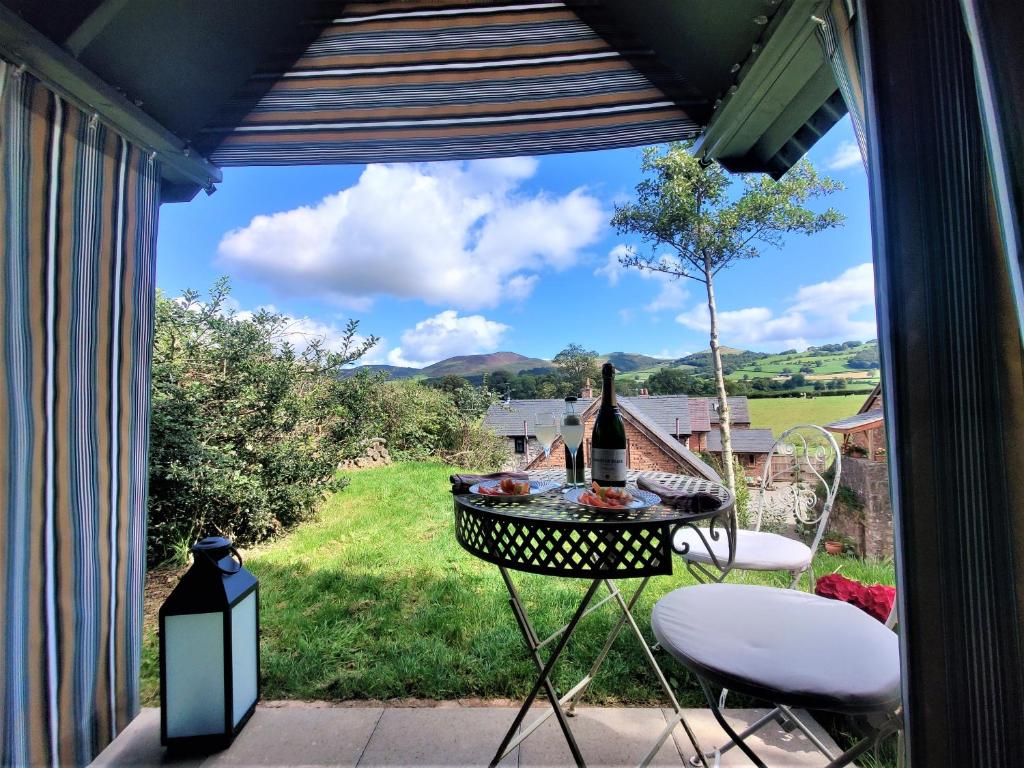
<point>243,656</point>
<point>194,644</point>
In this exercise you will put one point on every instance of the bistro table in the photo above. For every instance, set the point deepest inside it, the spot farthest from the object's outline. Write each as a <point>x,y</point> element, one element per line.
<point>553,536</point>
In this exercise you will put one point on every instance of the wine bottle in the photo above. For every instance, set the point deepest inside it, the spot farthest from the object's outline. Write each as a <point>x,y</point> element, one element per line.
<point>608,444</point>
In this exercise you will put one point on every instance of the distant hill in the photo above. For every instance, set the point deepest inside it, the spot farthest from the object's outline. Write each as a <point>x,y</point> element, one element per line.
<point>850,360</point>
<point>625,362</point>
<point>474,365</point>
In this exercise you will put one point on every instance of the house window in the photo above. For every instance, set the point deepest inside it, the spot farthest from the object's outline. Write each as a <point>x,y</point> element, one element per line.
<point>520,445</point>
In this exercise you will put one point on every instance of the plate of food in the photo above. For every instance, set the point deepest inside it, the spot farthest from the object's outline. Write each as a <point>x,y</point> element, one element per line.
<point>611,498</point>
<point>511,490</point>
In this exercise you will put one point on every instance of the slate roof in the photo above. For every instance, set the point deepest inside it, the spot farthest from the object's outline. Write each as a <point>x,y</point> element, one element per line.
<point>743,440</point>
<point>506,419</point>
<point>739,409</point>
<point>857,423</point>
<point>667,441</point>
<point>694,413</point>
<point>699,419</point>
<point>663,410</point>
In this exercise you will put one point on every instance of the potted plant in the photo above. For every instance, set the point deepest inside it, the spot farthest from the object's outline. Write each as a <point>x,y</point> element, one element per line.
<point>834,547</point>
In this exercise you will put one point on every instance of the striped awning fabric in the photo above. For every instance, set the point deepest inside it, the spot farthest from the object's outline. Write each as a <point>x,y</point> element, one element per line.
<point>416,80</point>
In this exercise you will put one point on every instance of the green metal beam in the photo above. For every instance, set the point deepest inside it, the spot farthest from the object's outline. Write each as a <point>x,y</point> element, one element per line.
<point>780,87</point>
<point>185,171</point>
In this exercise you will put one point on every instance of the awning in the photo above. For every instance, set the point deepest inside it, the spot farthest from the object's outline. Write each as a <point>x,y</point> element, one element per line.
<point>422,80</point>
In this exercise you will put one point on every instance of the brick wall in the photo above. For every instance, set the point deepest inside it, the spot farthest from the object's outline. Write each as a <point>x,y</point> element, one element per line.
<point>752,464</point>
<point>869,523</point>
<point>642,453</point>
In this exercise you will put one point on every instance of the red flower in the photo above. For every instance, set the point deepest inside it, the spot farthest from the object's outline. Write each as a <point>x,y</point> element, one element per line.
<point>875,600</point>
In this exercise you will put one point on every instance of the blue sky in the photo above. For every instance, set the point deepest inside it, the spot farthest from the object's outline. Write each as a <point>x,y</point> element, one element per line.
<point>516,254</point>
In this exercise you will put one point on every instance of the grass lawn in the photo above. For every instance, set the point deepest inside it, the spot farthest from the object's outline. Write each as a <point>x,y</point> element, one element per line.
<point>377,600</point>
<point>781,413</point>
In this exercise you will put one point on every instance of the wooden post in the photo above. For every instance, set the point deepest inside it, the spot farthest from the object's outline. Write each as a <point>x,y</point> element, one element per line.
<point>526,442</point>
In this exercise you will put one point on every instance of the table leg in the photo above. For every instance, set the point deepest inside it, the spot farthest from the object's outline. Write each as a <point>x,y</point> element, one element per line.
<point>677,717</point>
<point>612,637</point>
<point>534,644</point>
<point>530,636</point>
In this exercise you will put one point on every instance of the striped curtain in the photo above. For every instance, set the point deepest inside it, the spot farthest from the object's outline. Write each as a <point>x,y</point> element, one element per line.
<point>78,215</point>
<point>837,34</point>
<point>413,80</point>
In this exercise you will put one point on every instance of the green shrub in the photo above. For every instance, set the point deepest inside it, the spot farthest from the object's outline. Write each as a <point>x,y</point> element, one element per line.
<point>417,422</point>
<point>239,440</point>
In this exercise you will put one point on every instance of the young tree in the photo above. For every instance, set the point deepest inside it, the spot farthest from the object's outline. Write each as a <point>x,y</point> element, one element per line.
<point>577,365</point>
<point>697,224</point>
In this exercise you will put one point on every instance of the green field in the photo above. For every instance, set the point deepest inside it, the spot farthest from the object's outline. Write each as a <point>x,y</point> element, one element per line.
<point>376,600</point>
<point>825,366</point>
<point>781,413</point>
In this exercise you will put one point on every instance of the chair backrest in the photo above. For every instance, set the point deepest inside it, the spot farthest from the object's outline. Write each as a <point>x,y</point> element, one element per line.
<point>800,477</point>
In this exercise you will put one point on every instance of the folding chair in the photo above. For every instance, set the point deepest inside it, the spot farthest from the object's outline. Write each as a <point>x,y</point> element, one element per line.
<point>789,648</point>
<point>800,479</point>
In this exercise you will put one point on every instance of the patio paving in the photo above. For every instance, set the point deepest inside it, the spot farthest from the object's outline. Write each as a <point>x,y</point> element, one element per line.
<point>453,735</point>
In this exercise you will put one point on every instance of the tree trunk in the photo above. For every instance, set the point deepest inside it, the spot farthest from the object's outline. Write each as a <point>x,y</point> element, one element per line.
<point>723,400</point>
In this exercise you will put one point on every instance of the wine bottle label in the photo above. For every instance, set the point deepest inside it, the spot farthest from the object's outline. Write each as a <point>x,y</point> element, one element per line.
<point>609,464</point>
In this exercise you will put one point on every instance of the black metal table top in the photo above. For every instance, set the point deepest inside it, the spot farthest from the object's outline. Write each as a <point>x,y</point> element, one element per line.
<point>552,535</point>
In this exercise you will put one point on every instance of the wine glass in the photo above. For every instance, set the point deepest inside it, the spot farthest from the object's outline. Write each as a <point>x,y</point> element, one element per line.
<point>572,436</point>
<point>545,426</point>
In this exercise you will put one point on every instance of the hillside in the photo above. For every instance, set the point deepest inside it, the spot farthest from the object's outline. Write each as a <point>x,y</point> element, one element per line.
<point>626,362</point>
<point>851,361</point>
<point>474,365</point>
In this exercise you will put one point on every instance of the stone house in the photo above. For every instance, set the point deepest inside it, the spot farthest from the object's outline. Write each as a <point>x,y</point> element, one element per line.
<point>750,447</point>
<point>663,433</point>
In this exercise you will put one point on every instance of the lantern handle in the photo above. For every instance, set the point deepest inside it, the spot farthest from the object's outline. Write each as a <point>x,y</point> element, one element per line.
<point>237,556</point>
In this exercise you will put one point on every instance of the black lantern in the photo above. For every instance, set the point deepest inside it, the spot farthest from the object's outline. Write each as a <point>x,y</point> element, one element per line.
<point>209,650</point>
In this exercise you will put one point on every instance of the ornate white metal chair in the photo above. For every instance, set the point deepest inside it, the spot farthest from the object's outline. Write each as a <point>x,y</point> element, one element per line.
<point>791,649</point>
<point>800,481</point>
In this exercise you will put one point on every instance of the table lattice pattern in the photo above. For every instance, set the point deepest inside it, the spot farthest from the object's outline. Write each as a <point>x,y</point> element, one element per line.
<point>554,536</point>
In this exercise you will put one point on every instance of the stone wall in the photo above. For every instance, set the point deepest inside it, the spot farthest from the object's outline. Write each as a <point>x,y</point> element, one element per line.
<point>868,523</point>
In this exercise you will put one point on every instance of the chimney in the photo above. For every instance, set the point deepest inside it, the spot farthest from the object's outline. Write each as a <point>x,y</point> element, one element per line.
<point>644,392</point>
<point>588,390</point>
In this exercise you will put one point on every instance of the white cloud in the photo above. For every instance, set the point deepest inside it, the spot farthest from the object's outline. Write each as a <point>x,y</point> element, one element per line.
<point>462,234</point>
<point>823,311</point>
<point>444,335</point>
<point>612,268</point>
<point>671,295</point>
<point>300,332</point>
<point>847,155</point>
<point>673,354</point>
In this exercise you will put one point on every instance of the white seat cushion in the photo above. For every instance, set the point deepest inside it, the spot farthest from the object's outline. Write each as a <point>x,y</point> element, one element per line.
<point>755,550</point>
<point>782,645</point>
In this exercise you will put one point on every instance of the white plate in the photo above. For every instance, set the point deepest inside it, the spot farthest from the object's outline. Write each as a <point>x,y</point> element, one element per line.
<point>536,489</point>
<point>641,499</point>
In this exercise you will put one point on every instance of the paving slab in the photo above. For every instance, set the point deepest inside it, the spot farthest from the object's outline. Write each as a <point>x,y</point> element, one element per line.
<point>455,735</point>
<point>273,737</point>
<point>139,745</point>
<point>440,736</point>
<point>607,736</point>
<point>772,744</point>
